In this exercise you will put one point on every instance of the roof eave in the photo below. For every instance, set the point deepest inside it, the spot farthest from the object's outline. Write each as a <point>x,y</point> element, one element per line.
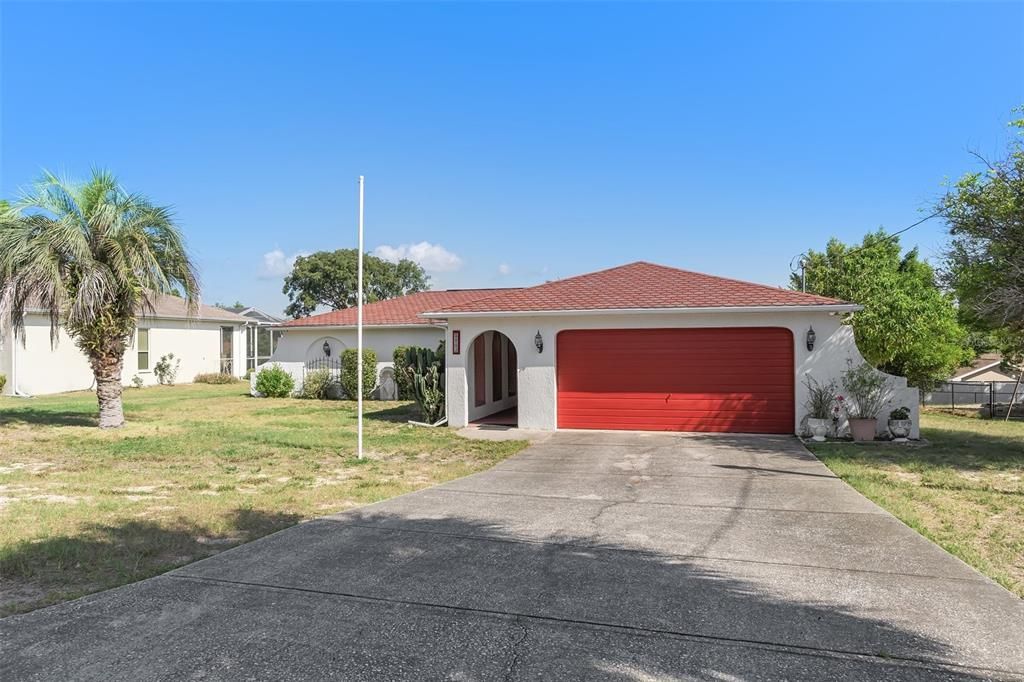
<point>407,325</point>
<point>813,308</point>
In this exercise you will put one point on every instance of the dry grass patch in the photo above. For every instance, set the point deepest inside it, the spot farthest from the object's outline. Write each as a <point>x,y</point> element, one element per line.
<point>964,491</point>
<point>196,470</point>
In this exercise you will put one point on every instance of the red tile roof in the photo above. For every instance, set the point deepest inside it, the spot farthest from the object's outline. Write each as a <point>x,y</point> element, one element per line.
<point>638,285</point>
<point>396,311</point>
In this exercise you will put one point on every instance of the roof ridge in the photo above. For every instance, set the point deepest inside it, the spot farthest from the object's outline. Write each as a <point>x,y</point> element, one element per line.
<point>738,281</point>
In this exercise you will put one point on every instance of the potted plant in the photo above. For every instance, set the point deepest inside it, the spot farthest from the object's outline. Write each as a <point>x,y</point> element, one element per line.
<point>820,400</point>
<point>899,424</point>
<point>866,393</point>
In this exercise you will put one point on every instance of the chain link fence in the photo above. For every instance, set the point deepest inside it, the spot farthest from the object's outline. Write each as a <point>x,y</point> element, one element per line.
<point>989,398</point>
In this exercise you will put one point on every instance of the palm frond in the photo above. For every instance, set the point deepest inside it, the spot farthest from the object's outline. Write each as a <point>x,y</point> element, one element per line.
<point>88,254</point>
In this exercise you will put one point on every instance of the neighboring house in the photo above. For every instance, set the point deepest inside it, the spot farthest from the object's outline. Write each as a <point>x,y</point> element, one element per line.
<point>317,341</point>
<point>212,340</point>
<point>987,367</point>
<point>647,347</point>
<point>260,336</point>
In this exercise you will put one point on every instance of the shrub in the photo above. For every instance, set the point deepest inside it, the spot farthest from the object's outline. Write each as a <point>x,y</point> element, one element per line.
<point>274,382</point>
<point>349,378</point>
<point>820,398</point>
<point>166,370</point>
<point>318,384</point>
<point>866,389</point>
<point>137,381</point>
<point>403,381</point>
<point>900,413</point>
<point>214,378</point>
<point>3,382</point>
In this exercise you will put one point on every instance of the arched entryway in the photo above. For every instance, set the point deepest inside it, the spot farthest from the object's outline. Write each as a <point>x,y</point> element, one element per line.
<point>492,374</point>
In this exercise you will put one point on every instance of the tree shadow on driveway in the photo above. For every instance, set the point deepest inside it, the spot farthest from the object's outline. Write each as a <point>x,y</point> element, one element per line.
<point>40,571</point>
<point>376,594</point>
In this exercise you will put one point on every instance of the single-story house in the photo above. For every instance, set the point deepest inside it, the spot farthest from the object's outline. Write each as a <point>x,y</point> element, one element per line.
<point>261,336</point>
<point>315,342</point>
<point>212,340</point>
<point>986,367</point>
<point>647,347</point>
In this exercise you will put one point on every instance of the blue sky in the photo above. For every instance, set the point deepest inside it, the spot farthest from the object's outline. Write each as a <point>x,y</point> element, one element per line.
<point>521,142</point>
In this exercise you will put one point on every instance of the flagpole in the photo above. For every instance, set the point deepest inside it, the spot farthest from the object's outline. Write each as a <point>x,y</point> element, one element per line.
<point>359,331</point>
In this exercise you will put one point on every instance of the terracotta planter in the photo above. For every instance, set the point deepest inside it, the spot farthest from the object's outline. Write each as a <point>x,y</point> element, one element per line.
<point>863,429</point>
<point>900,429</point>
<point>818,428</point>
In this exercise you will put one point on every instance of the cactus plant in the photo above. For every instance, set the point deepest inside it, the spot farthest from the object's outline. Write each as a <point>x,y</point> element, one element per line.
<point>426,371</point>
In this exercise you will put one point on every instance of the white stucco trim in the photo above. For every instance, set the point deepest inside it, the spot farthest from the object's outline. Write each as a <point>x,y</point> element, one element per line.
<point>836,308</point>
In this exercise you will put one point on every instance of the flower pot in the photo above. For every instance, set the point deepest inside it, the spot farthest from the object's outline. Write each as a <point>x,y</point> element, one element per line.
<point>900,429</point>
<point>863,429</point>
<point>818,427</point>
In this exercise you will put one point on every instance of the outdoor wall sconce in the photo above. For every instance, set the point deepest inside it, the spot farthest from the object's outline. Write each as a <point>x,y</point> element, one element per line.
<point>538,341</point>
<point>327,349</point>
<point>810,338</point>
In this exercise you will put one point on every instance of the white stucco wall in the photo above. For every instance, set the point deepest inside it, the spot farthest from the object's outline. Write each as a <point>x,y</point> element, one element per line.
<point>301,345</point>
<point>41,369</point>
<point>538,395</point>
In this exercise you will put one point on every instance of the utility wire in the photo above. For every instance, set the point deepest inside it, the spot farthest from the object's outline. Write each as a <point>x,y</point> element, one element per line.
<point>883,240</point>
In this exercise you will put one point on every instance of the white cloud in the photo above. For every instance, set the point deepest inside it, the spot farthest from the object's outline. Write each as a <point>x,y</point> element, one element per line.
<point>277,264</point>
<point>432,257</point>
<point>504,269</point>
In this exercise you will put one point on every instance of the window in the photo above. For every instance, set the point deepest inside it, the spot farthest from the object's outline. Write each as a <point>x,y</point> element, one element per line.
<point>260,344</point>
<point>227,345</point>
<point>142,347</point>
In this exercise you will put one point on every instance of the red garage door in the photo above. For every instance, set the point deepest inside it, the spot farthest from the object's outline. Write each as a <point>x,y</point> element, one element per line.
<point>729,380</point>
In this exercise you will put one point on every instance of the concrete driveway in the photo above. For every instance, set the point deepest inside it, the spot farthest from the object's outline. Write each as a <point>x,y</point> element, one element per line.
<point>590,555</point>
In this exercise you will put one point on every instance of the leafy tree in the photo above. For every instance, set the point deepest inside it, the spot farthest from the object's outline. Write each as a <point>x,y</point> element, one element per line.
<point>329,278</point>
<point>985,260</point>
<point>237,307</point>
<point>909,325</point>
<point>92,256</point>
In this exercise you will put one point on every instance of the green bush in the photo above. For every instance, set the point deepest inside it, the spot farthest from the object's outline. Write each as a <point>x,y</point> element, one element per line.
<point>3,382</point>
<point>349,378</point>
<point>403,381</point>
<point>274,382</point>
<point>214,378</point>
<point>137,381</point>
<point>318,385</point>
<point>166,370</point>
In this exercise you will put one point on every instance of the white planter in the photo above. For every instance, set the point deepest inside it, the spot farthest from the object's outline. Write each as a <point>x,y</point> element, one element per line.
<point>900,429</point>
<point>818,427</point>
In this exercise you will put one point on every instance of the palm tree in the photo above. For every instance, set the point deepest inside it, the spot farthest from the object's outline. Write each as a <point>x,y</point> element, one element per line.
<point>92,256</point>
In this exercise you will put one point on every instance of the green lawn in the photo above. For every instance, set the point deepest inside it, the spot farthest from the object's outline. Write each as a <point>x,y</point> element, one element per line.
<point>964,491</point>
<point>196,470</point>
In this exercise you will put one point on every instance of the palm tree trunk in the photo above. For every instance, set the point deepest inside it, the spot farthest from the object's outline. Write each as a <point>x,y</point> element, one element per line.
<point>106,368</point>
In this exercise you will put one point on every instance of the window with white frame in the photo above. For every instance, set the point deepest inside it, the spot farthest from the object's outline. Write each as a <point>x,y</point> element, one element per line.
<point>142,349</point>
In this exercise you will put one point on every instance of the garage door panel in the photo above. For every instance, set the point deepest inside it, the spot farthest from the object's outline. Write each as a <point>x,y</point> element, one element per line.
<point>729,379</point>
<point>605,402</point>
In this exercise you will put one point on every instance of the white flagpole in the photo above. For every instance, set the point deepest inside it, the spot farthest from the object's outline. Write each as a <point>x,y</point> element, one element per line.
<point>359,330</point>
